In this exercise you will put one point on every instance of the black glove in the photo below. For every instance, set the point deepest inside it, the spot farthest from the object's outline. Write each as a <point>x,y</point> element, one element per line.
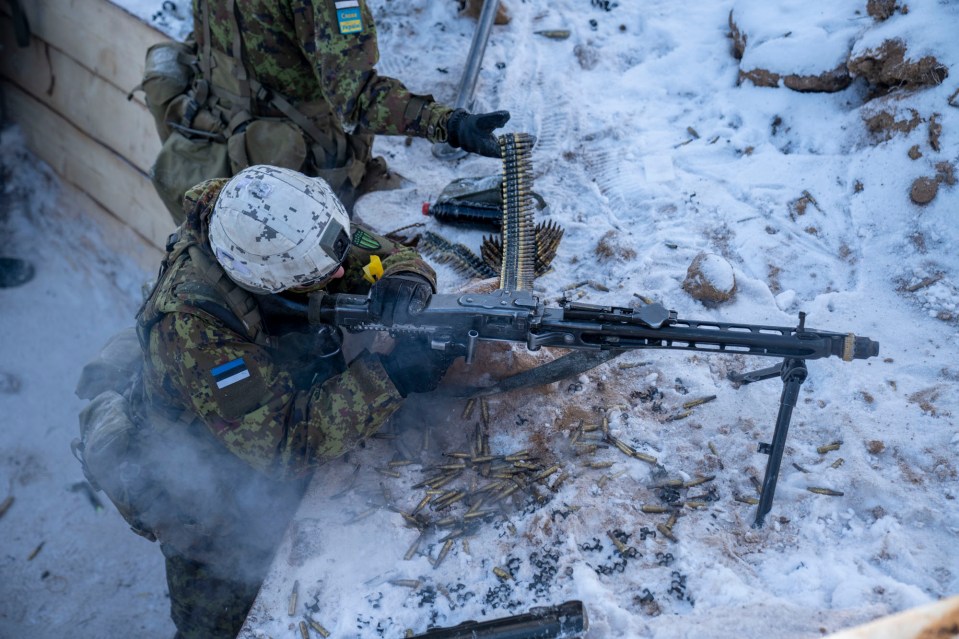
<point>414,367</point>
<point>394,298</point>
<point>473,132</point>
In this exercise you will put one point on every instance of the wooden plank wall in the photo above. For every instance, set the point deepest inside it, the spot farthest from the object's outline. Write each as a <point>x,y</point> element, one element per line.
<point>68,92</point>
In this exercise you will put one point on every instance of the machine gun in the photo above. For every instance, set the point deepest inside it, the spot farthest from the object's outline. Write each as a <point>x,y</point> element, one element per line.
<point>567,619</point>
<point>454,324</point>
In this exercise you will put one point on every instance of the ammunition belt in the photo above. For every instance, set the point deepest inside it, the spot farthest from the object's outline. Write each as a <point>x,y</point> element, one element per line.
<point>519,239</point>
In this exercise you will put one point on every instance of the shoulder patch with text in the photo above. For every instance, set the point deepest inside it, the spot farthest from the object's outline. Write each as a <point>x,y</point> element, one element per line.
<point>348,16</point>
<point>364,240</point>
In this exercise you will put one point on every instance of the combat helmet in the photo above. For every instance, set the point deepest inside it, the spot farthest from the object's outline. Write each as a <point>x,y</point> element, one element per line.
<point>273,229</point>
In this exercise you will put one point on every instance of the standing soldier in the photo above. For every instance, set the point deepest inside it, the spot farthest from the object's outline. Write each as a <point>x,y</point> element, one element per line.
<point>289,83</point>
<point>242,398</point>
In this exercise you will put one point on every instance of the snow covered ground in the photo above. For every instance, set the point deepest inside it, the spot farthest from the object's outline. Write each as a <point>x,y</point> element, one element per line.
<point>68,565</point>
<point>649,153</point>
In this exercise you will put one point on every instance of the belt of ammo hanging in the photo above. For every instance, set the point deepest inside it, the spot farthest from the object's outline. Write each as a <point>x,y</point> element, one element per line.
<point>519,240</point>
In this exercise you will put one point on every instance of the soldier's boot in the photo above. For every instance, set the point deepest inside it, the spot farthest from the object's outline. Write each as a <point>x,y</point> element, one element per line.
<point>203,606</point>
<point>14,272</point>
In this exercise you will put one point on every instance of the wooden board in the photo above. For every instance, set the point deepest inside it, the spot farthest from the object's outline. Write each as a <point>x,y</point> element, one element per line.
<point>113,233</point>
<point>98,34</point>
<point>91,103</point>
<point>937,620</point>
<point>115,184</point>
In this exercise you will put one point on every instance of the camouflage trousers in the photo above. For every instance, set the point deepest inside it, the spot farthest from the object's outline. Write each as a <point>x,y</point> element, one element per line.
<point>202,605</point>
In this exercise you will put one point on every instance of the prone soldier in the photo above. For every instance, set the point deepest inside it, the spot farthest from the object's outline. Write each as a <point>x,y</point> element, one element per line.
<point>241,398</point>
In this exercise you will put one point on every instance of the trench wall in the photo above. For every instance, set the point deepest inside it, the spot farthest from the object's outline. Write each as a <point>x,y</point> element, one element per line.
<point>68,93</point>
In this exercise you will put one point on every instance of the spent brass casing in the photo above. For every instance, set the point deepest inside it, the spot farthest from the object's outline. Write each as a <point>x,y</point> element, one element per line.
<point>623,446</point>
<point>443,552</point>
<point>822,450</point>
<point>527,465</point>
<point>576,435</point>
<point>546,473</point>
<point>646,458</point>
<point>5,506</point>
<point>698,402</point>
<point>323,632</point>
<point>479,514</point>
<point>422,503</point>
<point>406,583</point>
<point>448,467</point>
<point>599,286</point>
<point>413,548</point>
<point>447,522</point>
<point>585,449</point>
<point>829,492</point>
<point>666,532</point>
<point>698,481</point>
<point>599,464</point>
<point>620,546</point>
<point>448,500</point>
<point>559,482</point>
<point>291,610</point>
<point>654,509</point>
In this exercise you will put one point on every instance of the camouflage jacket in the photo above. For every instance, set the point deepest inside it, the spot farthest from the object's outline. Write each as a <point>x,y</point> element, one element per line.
<point>311,50</point>
<point>204,359</point>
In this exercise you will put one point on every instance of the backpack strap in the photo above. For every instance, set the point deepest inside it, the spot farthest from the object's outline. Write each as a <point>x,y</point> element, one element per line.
<point>241,303</point>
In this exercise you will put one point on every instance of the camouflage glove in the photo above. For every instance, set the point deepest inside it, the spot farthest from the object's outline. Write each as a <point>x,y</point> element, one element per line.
<point>394,298</point>
<point>474,132</point>
<point>414,367</point>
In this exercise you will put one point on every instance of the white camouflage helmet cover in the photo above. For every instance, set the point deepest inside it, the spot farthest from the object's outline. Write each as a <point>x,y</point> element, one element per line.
<point>273,229</point>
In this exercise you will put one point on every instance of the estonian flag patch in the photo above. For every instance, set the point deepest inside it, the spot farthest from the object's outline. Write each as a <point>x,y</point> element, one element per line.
<point>230,373</point>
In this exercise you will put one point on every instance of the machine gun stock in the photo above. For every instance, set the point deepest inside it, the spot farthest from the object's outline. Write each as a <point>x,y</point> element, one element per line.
<point>456,323</point>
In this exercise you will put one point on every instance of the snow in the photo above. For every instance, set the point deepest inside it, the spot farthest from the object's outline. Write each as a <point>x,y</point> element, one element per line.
<point>648,147</point>
<point>69,566</point>
<point>799,37</point>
